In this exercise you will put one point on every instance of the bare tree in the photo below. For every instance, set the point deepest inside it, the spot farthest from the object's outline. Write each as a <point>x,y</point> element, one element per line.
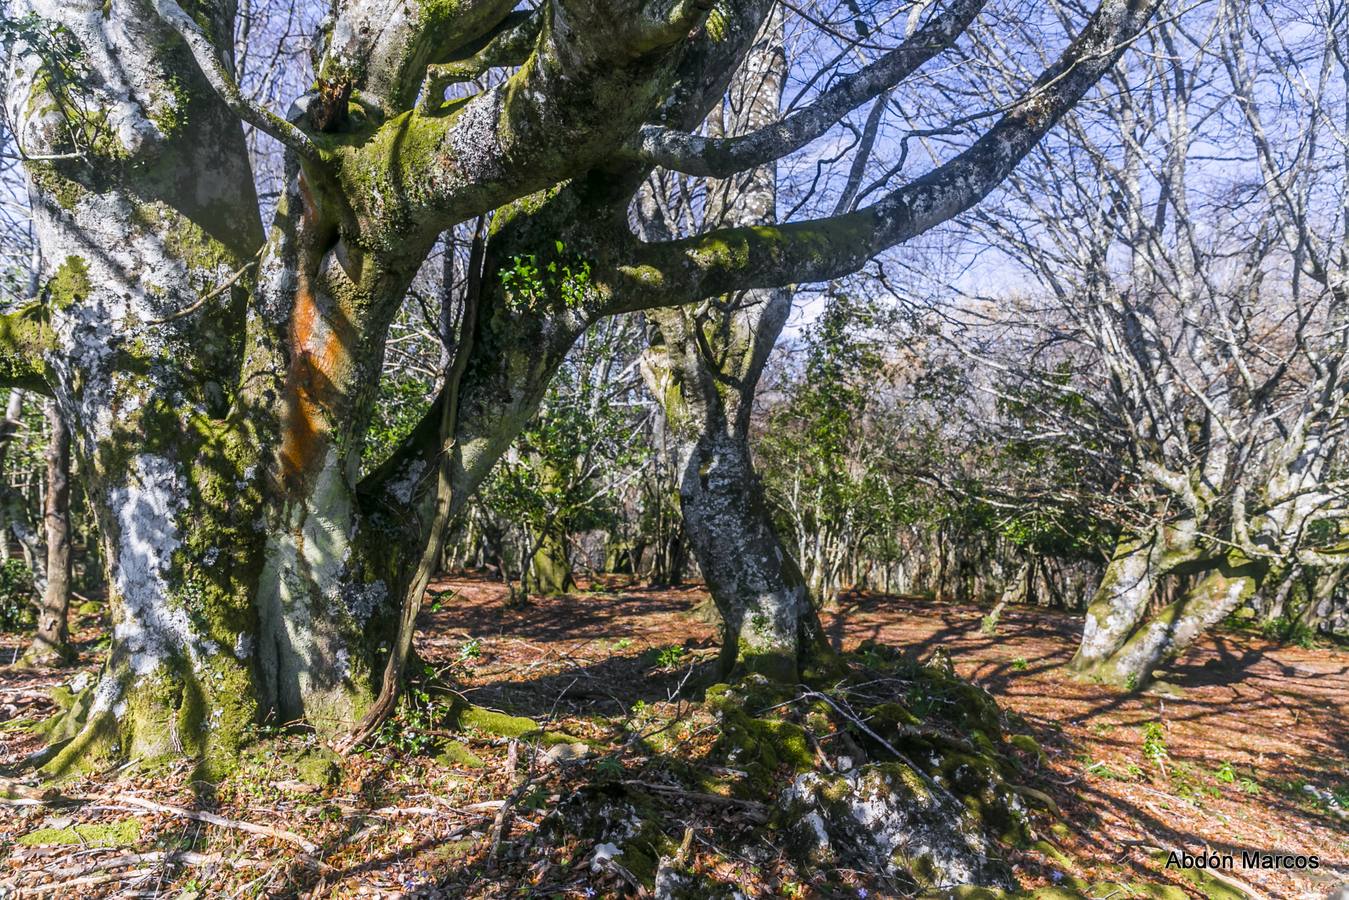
<point>1201,319</point>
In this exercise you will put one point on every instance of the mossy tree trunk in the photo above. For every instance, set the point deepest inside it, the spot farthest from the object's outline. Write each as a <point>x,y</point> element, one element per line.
<point>51,641</point>
<point>1131,578</point>
<point>552,569</point>
<point>1213,595</point>
<point>704,368</point>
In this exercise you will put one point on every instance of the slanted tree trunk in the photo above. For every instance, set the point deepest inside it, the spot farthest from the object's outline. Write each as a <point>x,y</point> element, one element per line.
<point>704,367</point>
<point>1017,590</point>
<point>1211,597</point>
<point>51,642</point>
<point>1128,584</point>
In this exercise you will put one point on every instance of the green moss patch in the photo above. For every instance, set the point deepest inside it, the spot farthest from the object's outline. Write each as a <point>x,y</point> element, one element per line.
<point>123,833</point>
<point>316,765</point>
<point>456,755</point>
<point>465,717</point>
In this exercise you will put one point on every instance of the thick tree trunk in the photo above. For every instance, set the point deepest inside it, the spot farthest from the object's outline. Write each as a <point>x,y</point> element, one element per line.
<point>51,642</point>
<point>1213,596</point>
<point>552,571</point>
<point>769,623</point>
<point>704,369</point>
<point>1127,586</point>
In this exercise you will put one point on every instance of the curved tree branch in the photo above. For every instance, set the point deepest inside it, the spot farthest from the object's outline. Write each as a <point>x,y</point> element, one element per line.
<point>222,82</point>
<point>721,157</point>
<point>735,259</point>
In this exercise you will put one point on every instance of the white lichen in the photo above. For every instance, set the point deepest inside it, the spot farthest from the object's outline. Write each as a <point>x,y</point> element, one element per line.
<point>146,507</point>
<point>403,488</point>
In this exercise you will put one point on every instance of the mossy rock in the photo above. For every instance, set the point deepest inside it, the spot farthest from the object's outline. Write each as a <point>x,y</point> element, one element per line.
<point>123,833</point>
<point>681,884</point>
<point>316,765</point>
<point>889,818</point>
<point>611,812</point>
<point>456,755</point>
<point>771,750</point>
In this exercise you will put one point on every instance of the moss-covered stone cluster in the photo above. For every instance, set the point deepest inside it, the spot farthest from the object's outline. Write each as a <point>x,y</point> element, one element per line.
<point>894,745</point>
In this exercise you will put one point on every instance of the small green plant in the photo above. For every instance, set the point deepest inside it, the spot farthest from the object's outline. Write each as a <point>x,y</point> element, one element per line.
<point>1131,683</point>
<point>1020,664</point>
<point>622,644</point>
<point>1154,744</point>
<point>670,656</point>
<point>564,280</point>
<point>1225,773</point>
<point>1288,630</point>
<point>413,730</point>
<point>1100,769</point>
<point>16,596</point>
<point>470,649</point>
<point>921,702</point>
<point>1186,784</point>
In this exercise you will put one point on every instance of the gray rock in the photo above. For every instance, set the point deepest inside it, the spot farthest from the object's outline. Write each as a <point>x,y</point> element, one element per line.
<point>564,754</point>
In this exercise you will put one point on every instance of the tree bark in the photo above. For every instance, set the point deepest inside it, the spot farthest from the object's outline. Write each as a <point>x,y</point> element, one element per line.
<point>51,642</point>
<point>552,565</point>
<point>1017,590</point>
<point>1127,586</point>
<point>704,369</point>
<point>1214,595</point>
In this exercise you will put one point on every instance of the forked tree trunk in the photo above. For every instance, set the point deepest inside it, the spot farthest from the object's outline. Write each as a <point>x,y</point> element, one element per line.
<point>1213,595</point>
<point>51,642</point>
<point>1127,586</point>
<point>704,369</point>
<point>196,462</point>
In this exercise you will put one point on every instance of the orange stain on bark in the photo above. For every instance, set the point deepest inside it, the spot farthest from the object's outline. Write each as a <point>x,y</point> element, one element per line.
<point>318,359</point>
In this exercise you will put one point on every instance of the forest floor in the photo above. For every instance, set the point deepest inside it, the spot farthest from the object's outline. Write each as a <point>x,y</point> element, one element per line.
<point>1252,754</point>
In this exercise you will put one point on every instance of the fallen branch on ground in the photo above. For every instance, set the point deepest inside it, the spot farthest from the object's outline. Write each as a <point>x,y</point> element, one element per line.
<point>212,819</point>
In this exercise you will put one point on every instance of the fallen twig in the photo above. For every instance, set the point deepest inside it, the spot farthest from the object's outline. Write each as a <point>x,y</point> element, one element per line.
<point>87,881</point>
<point>163,857</point>
<point>501,824</point>
<point>212,819</point>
